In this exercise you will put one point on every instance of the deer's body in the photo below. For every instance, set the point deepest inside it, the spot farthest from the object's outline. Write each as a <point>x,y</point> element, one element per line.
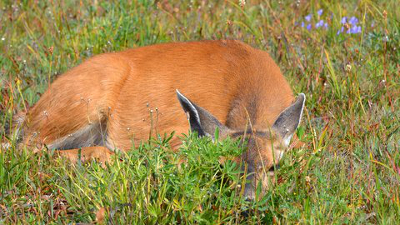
<point>116,100</point>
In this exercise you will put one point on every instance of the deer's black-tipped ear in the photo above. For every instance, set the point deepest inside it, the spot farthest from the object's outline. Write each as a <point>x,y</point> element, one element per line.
<point>200,120</point>
<point>289,119</point>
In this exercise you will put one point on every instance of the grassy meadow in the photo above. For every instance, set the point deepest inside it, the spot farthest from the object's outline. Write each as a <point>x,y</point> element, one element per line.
<point>344,55</point>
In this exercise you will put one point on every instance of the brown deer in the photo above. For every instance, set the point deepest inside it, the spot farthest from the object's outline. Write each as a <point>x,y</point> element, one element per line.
<point>104,103</point>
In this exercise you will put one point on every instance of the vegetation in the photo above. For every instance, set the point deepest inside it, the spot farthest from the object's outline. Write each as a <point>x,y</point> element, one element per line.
<point>344,55</point>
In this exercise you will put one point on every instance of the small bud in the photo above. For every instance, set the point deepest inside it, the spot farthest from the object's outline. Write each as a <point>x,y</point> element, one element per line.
<point>348,67</point>
<point>384,13</point>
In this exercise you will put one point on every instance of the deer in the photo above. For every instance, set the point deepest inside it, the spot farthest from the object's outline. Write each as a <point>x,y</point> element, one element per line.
<point>105,104</point>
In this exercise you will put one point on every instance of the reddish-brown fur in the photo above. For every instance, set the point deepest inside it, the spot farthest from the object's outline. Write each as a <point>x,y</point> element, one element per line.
<point>125,86</point>
<point>127,96</point>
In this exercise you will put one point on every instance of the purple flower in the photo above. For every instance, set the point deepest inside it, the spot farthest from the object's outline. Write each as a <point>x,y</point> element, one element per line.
<point>351,26</point>
<point>355,30</point>
<point>320,12</point>
<point>302,24</point>
<point>319,24</point>
<point>340,31</point>
<point>308,27</point>
<point>308,17</point>
<point>353,21</point>
<point>326,26</point>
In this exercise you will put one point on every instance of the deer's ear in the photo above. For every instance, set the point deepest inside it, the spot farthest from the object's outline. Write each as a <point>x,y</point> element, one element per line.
<point>200,120</point>
<point>289,119</point>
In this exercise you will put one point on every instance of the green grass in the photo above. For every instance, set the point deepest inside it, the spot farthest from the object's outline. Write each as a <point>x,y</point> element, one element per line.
<point>348,172</point>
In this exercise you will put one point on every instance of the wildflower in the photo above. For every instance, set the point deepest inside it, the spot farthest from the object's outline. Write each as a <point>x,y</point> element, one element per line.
<point>353,21</point>
<point>340,31</point>
<point>355,30</point>
<point>319,24</point>
<point>308,22</point>
<point>350,25</point>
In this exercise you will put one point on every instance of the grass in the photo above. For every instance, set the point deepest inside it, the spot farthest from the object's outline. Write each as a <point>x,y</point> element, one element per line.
<point>348,172</point>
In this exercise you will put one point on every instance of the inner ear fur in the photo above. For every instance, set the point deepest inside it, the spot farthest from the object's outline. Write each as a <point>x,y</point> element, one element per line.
<point>289,119</point>
<point>200,120</point>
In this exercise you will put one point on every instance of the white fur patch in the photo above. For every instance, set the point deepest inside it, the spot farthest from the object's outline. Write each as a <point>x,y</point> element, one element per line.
<point>281,155</point>
<point>302,107</point>
<point>286,140</point>
<point>190,105</point>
